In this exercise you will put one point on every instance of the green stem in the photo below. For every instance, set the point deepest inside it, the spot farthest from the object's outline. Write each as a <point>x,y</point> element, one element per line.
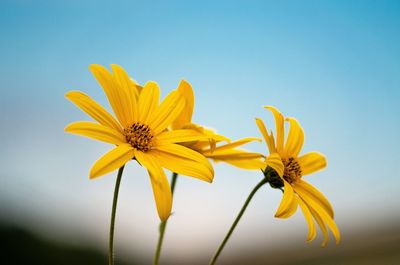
<point>173,182</point>
<point>114,210</point>
<point>228,235</point>
<point>163,225</point>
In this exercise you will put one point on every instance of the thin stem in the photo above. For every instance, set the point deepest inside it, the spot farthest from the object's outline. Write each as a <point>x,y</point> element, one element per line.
<point>173,182</point>
<point>163,225</point>
<point>228,235</point>
<point>114,210</point>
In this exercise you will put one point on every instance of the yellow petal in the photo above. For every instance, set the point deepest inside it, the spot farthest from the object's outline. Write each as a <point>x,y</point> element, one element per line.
<point>167,112</point>
<point>112,160</point>
<point>312,231</point>
<point>295,138</point>
<point>213,144</point>
<point>249,164</point>
<point>96,131</point>
<point>231,154</point>
<point>268,140</point>
<point>325,216</point>
<point>180,136</point>
<point>159,182</point>
<point>274,160</point>
<point>117,95</point>
<point>185,116</point>
<point>236,157</point>
<point>316,195</point>
<point>125,87</point>
<point>206,131</point>
<point>311,162</point>
<point>208,144</point>
<point>148,101</point>
<point>322,226</point>
<point>185,161</point>
<point>136,89</point>
<point>93,109</point>
<point>288,205</point>
<point>280,132</point>
<point>213,135</point>
<point>237,143</point>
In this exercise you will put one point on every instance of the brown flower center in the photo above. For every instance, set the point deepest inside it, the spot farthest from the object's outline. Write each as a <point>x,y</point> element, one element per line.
<point>292,171</point>
<point>139,136</point>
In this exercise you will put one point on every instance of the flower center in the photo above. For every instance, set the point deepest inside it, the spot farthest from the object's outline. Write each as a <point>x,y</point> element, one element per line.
<point>139,136</point>
<point>292,171</point>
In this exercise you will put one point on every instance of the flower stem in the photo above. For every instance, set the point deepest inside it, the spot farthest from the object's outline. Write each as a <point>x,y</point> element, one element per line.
<point>114,209</point>
<point>228,235</point>
<point>163,225</point>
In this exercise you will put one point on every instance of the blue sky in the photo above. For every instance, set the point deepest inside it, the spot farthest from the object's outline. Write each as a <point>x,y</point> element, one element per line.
<point>334,65</point>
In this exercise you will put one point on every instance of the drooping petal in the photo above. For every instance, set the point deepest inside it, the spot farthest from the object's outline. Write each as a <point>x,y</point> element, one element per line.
<point>322,226</point>
<point>112,160</point>
<point>126,87</point>
<point>159,182</point>
<point>162,194</point>
<point>325,216</point>
<point>295,139</point>
<point>280,131</point>
<point>274,160</point>
<point>185,161</point>
<point>288,205</point>
<point>118,96</point>
<point>180,136</point>
<point>316,195</point>
<point>167,112</point>
<point>148,101</point>
<point>96,131</point>
<point>312,231</point>
<point>185,116</point>
<point>93,109</point>
<point>268,140</point>
<point>311,162</point>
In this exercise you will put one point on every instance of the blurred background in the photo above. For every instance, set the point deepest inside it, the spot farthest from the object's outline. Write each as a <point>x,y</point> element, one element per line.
<point>334,65</point>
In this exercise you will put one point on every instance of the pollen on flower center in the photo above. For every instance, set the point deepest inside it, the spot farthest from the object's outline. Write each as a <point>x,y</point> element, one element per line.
<point>292,170</point>
<point>139,136</point>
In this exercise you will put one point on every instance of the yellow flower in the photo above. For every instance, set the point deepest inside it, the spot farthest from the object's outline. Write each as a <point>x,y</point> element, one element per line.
<point>139,132</point>
<point>285,169</point>
<point>227,153</point>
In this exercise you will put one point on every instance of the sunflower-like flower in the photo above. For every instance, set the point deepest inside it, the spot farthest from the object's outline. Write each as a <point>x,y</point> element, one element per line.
<point>228,152</point>
<point>140,132</point>
<point>285,169</point>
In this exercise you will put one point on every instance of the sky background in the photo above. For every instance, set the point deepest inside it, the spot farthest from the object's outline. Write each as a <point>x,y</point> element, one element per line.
<point>334,65</point>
